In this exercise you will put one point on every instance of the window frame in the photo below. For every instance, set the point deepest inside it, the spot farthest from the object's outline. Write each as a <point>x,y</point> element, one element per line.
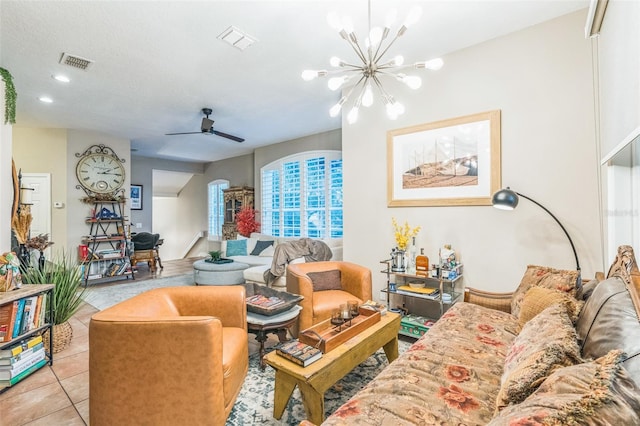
<point>327,192</point>
<point>221,185</point>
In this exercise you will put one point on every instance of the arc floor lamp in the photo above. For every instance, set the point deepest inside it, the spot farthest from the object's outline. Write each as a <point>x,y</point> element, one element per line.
<point>507,199</point>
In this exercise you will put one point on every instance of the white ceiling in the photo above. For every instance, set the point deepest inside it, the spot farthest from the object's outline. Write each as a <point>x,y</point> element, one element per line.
<point>158,63</point>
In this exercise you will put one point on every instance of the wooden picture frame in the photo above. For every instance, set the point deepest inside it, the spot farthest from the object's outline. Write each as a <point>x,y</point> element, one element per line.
<point>454,162</point>
<point>136,197</point>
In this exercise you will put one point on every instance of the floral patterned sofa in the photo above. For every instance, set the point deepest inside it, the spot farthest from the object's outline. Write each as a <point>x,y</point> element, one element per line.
<point>540,356</point>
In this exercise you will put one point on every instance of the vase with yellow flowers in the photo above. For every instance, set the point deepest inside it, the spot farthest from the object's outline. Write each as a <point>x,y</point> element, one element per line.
<point>403,234</point>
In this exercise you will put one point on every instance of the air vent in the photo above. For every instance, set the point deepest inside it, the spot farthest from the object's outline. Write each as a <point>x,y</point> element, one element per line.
<point>236,38</point>
<point>76,61</point>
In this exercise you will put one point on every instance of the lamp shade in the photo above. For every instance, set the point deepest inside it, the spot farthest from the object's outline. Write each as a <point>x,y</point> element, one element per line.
<point>505,199</point>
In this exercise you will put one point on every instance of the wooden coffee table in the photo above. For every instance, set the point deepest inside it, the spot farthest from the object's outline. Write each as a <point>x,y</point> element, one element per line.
<point>315,379</point>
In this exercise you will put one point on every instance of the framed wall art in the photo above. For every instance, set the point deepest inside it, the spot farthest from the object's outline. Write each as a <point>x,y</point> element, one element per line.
<point>454,162</point>
<point>136,197</point>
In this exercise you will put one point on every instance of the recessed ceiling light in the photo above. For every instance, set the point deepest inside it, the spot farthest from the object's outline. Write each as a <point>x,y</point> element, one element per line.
<point>61,78</point>
<point>45,99</point>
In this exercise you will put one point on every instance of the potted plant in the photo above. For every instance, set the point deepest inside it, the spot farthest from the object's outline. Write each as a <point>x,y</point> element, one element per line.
<point>67,276</point>
<point>215,256</point>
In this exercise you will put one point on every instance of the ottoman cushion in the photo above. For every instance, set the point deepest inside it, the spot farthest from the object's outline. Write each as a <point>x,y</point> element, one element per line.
<point>206,273</point>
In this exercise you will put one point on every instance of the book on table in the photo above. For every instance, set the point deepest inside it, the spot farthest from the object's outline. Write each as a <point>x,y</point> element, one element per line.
<point>299,352</point>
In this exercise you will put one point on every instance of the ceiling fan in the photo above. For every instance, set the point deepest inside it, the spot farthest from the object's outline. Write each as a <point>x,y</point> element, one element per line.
<point>207,127</point>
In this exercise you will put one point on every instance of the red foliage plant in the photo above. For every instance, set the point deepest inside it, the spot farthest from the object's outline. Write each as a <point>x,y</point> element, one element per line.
<point>246,221</point>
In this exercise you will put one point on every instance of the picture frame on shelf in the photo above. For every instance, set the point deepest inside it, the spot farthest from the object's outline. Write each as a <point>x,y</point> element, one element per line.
<point>453,162</point>
<point>136,197</point>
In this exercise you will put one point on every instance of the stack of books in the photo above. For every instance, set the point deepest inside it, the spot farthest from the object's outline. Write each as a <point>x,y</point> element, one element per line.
<point>20,360</point>
<point>299,353</point>
<point>22,316</point>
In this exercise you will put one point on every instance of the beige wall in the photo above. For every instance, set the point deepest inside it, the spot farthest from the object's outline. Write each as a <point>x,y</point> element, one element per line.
<point>142,174</point>
<point>179,219</point>
<point>45,151</point>
<point>540,79</point>
<point>6,186</point>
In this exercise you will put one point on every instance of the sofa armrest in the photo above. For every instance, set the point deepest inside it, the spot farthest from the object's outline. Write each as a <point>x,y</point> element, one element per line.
<point>497,301</point>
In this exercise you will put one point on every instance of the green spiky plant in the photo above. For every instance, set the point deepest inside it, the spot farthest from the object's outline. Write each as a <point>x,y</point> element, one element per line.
<point>66,275</point>
<point>10,97</point>
<point>215,255</point>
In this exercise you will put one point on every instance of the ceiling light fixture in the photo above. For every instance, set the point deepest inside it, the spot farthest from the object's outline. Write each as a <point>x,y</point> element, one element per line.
<point>61,78</point>
<point>373,66</point>
<point>45,99</point>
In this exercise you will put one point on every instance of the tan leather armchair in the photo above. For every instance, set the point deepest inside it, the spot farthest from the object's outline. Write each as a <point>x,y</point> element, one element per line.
<point>317,305</point>
<point>169,356</point>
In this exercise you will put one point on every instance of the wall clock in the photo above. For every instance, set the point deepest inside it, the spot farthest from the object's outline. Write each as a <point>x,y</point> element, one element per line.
<point>100,170</point>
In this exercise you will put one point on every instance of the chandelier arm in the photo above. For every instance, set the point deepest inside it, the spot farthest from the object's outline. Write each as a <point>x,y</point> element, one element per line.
<point>378,57</point>
<point>356,47</point>
<point>346,98</point>
<point>384,92</point>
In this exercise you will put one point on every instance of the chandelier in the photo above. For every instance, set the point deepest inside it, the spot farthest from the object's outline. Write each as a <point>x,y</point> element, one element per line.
<point>372,66</point>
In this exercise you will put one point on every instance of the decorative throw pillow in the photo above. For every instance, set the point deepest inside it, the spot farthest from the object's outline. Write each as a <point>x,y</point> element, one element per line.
<point>326,280</point>
<point>599,392</point>
<point>545,343</point>
<point>260,246</point>
<point>236,248</point>
<point>541,276</point>
<point>268,252</point>
<point>538,299</point>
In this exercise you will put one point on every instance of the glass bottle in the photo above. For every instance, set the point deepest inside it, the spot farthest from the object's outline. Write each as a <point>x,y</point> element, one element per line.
<point>411,264</point>
<point>422,264</point>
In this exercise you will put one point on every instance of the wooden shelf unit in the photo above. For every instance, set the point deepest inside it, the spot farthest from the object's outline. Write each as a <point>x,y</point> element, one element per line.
<point>107,234</point>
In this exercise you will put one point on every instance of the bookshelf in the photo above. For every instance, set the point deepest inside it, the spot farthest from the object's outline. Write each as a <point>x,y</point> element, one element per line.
<point>16,339</point>
<point>104,253</point>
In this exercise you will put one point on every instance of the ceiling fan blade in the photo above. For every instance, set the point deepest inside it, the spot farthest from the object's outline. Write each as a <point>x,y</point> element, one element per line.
<point>185,133</point>
<point>228,136</point>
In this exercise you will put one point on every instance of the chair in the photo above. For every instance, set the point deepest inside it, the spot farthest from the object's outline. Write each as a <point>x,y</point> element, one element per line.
<point>146,249</point>
<point>174,355</point>
<point>355,284</point>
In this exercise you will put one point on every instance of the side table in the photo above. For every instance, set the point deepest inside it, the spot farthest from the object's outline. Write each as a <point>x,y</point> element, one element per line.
<point>261,325</point>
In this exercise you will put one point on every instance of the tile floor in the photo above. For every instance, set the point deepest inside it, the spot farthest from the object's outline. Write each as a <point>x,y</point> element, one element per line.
<point>59,394</point>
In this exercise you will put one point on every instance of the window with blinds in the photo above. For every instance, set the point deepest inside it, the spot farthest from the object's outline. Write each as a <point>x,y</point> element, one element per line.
<point>302,195</point>
<point>216,207</point>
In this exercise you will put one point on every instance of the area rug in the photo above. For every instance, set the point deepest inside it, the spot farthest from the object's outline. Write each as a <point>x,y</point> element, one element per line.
<point>254,405</point>
<point>108,295</point>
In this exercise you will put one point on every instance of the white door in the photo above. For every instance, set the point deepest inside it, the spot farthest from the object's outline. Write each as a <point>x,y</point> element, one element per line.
<point>41,199</point>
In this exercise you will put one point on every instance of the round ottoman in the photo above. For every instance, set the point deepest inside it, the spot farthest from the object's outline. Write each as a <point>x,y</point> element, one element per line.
<point>206,273</point>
